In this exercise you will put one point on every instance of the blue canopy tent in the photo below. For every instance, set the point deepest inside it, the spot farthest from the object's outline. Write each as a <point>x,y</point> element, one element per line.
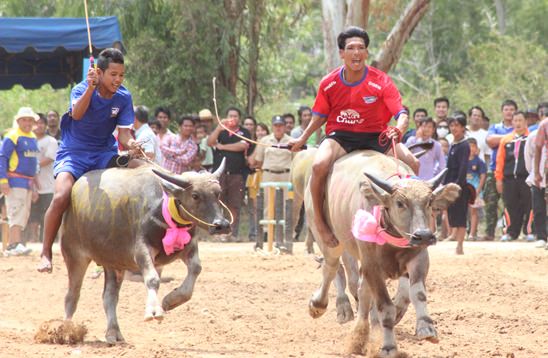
<point>36,51</point>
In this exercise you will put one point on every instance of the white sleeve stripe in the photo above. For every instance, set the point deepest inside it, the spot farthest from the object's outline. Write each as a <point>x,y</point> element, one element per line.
<point>128,126</point>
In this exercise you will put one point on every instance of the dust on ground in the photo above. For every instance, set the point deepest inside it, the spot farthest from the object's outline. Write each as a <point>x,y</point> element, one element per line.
<point>491,302</point>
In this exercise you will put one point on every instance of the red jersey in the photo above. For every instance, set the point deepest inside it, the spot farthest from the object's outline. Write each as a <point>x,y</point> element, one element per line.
<point>365,106</point>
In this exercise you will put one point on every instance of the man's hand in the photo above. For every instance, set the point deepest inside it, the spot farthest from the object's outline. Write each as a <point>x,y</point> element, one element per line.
<point>499,186</point>
<point>135,149</point>
<point>394,133</point>
<point>538,180</point>
<point>35,196</point>
<point>295,144</point>
<point>5,187</point>
<point>92,78</point>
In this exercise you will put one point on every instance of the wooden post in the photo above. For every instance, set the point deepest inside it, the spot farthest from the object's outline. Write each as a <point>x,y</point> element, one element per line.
<point>270,216</point>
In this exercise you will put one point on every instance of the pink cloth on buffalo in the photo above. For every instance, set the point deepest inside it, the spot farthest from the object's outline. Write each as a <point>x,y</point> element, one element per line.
<point>176,237</point>
<point>366,227</point>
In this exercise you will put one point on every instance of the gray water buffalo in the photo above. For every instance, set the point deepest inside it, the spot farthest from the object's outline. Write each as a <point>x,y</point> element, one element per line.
<point>115,219</point>
<point>406,210</point>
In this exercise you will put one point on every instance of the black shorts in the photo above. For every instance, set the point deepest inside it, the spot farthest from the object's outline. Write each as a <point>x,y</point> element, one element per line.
<point>457,213</point>
<point>38,209</point>
<point>351,141</point>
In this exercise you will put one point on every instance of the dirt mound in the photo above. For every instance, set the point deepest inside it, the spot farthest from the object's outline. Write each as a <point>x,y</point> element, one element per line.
<point>56,331</point>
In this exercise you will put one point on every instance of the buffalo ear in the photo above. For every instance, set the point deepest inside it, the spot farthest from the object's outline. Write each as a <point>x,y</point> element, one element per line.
<point>445,195</point>
<point>374,194</point>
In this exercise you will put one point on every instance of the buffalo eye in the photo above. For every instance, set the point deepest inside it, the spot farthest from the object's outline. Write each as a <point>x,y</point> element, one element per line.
<point>400,204</point>
<point>195,196</point>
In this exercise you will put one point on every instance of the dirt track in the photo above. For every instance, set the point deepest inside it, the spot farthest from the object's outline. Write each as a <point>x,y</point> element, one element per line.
<point>492,302</point>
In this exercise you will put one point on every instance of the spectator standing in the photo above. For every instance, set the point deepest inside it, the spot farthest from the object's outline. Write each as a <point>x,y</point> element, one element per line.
<point>433,161</point>
<point>227,145</point>
<point>457,164</point>
<point>538,203</point>
<point>289,122</point>
<point>54,129</point>
<point>178,152</point>
<point>145,136</point>
<point>18,165</point>
<point>44,181</point>
<point>418,115</point>
<point>206,119</point>
<point>441,109</point>
<point>491,195</point>
<point>476,177</point>
<point>305,116</point>
<point>541,146</point>
<point>274,162</point>
<point>253,181</point>
<point>163,117</point>
<point>155,126</point>
<point>532,118</point>
<point>510,174</point>
<point>475,130</point>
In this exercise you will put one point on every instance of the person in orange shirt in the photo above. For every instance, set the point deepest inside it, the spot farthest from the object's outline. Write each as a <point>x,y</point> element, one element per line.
<point>510,175</point>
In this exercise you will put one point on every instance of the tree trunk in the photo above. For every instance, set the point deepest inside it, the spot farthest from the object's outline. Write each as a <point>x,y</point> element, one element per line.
<point>358,13</point>
<point>501,16</point>
<point>333,17</point>
<point>393,46</point>
<point>233,9</point>
<point>256,9</point>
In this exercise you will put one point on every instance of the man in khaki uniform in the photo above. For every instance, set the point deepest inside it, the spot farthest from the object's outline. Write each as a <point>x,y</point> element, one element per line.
<point>274,162</point>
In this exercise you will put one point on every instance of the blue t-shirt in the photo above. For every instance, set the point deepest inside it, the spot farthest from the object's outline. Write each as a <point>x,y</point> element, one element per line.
<point>498,128</point>
<point>476,167</point>
<point>93,132</point>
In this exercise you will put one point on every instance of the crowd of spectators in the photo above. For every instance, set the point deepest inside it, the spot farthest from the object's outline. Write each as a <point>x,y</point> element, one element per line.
<point>488,160</point>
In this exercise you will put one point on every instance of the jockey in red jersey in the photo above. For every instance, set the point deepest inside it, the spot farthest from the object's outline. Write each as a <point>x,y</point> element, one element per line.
<point>357,102</point>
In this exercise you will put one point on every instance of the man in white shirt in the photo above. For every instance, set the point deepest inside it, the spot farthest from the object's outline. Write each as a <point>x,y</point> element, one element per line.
<point>44,181</point>
<point>145,135</point>
<point>475,130</point>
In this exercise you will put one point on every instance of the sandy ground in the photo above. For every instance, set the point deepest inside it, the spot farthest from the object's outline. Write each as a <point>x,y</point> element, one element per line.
<point>492,302</point>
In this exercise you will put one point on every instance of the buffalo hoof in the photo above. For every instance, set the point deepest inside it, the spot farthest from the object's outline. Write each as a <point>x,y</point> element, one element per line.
<point>426,330</point>
<point>344,310</point>
<point>316,309</point>
<point>114,336</point>
<point>357,341</point>
<point>156,313</point>
<point>390,352</point>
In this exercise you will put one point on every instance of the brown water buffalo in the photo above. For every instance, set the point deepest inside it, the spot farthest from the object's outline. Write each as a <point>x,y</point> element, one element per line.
<point>407,206</point>
<point>115,219</point>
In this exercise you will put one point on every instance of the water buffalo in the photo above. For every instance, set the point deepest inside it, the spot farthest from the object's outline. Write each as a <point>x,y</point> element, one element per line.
<point>407,206</point>
<point>115,219</point>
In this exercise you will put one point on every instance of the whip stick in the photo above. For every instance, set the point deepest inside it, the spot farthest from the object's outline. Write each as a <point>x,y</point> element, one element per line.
<point>279,146</point>
<point>91,59</point>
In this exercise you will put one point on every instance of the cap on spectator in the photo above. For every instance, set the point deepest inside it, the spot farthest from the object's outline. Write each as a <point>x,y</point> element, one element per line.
<point>205,114</point>
<point>459,119</point>
<point>26,112</point>
<point>277,120</point>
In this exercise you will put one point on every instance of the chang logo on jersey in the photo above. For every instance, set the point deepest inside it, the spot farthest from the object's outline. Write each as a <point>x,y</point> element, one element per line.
<point>370,99</point>
<point>349,116</point>
<point>333,83</point>
<point>374,85</point>
<point>114,112</point>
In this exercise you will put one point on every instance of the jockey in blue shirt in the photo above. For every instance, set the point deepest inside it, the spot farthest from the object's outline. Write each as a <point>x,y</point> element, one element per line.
<point>98,106</point>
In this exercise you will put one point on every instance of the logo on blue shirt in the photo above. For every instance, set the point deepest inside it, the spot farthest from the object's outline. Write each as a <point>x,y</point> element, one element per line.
<point>114,112</point>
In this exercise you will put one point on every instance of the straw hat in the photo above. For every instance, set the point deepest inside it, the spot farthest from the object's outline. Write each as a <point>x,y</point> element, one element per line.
<point>205,114</point>
<point>25,112</point>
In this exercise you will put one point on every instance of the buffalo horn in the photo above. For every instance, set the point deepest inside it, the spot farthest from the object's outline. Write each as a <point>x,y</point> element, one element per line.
<point>171,178</point>
<point>383,184</point>
<point>437,180</point>
<point>221,169</point>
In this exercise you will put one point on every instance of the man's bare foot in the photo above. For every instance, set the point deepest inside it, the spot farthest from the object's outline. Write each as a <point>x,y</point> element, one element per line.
<point>45,264</point>
<point>459,250</point>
